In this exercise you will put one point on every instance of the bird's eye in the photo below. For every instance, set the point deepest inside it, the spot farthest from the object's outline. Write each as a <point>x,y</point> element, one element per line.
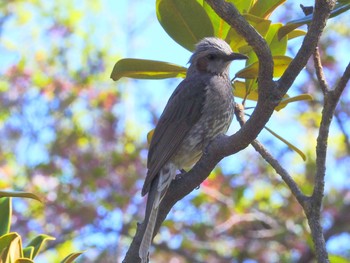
<point>211,57</point>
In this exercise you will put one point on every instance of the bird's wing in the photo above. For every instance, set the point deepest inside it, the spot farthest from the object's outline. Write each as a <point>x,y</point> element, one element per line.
<point>182,111</point>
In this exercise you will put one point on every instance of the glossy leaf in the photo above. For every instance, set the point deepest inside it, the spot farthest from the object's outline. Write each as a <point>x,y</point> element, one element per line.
<point>290,26</point>
<point>20,194</point>
<point>146,69</point>
<point>291,146</point>
<point>252,71</point>
<point>10,247</point>
<point>264,8</point>
<point>184,21</point>
<point>38,242</point>
<point>71,257</point>
<point>286,101</point>
<point>5,215</point>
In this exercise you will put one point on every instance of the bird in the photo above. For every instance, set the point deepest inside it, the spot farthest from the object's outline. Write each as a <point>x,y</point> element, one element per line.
<point>199,109</point>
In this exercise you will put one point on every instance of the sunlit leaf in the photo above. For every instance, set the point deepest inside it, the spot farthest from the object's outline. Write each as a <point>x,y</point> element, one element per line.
<point>296,33</point>
<point>252,71</point>
<point>24,260</point>
<point>19,194</point>
<point>5,215</point>
<point>185,21</point>
<point>146,69</point>
<point>236,41</point>
<point>219,25</point>
<point>71,257</point>
<point>243,6</point>
<point>290,145</point>
<point>10,247</point>
<point>277,46</point>
<point>240,91</point>
<point>285,101</point>
<point>338,259</point>
<point>149,136</point>
<point>264,8</point>
<point>38,242</point>
<point>338,9</point>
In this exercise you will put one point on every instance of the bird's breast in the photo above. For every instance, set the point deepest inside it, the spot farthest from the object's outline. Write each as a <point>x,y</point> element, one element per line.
<point>216,117</point>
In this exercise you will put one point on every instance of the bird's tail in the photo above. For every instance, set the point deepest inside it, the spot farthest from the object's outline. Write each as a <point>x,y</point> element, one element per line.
<point>155,196</point>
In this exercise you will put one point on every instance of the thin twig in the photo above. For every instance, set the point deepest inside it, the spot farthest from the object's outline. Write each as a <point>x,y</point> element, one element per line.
<point>319,72</point>
<point>272,161</point>
<point>342,83</point>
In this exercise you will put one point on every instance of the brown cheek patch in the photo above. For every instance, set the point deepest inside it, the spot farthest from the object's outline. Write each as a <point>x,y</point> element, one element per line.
<point>202,64</point>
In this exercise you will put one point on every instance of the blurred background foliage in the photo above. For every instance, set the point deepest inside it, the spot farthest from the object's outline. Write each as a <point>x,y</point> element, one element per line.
<point>74,137</point>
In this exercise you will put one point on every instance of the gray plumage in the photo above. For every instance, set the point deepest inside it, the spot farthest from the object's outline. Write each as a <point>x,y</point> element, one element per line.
<point>200,108</point>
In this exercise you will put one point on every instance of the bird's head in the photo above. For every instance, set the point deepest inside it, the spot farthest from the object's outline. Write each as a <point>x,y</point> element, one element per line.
<point>213,55</point>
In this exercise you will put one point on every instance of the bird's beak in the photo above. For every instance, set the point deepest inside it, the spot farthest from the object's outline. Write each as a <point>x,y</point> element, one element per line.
<point>236,56</point>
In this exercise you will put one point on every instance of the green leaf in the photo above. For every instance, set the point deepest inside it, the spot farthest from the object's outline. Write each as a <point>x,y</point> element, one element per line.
<point>264,8</point>
<point>5,215</point>
<point>150,136</point>
<point>19,194</point>
<point>38,242</point>
<point>146,69</point>
<point>290,26</point>
<point>240,91</point>
<point>71,257</point>
<point>296,33</point>
<point>285,101</point>
<point>220,27</point>
<point>24,260</point>
<point>28,252</point>
<point>291,146</point>
<point>236,41</point>
<point>338,259</point>
<point>184,21</point>
<point>243,6</point>
<point>10,247</point>
<point>252,71</point>
<point>277,46</point>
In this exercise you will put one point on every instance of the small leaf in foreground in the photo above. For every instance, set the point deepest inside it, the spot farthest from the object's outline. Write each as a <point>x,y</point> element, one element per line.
<point>5,215</point>
<point>38,242</point>
<point>20,194</point>
<point>71,257</point>
<point>252,71</point>
<point>146,69</point>
<point>285,101</point>
<point>291,146</point>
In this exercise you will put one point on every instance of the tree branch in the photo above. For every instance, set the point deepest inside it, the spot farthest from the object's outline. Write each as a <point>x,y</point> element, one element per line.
<point>319,72</point>
<point>320,16</point>
<point>270,94</point>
